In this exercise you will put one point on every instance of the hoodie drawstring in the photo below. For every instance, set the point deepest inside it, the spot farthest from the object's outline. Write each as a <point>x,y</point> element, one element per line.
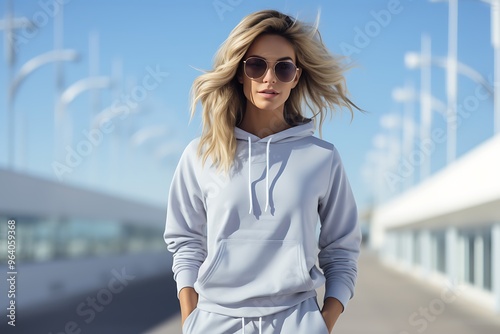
<point>243,325</point>
<point>267,173</point>
<point>250,174</point>
<point>249,179</point>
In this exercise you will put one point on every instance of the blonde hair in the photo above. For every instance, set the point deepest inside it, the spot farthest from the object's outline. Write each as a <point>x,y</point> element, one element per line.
<point>321,87</point>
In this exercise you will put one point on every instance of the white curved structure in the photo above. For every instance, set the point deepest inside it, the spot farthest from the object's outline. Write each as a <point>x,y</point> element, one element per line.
<point>450,224</point>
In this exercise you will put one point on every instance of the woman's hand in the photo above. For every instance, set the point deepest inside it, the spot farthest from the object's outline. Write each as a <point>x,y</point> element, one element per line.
<point>188,299</point>
<point>331,311</point>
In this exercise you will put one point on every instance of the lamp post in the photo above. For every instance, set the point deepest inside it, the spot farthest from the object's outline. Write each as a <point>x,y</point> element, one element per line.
<point>29,67</point>
<point>101,82</point>
<point>9,25</point>
<point>389,144</point>
<point>451,78</point>
<point>414,60</point>
<point>495,42</point>
<point>425,102</point>
<point>408,95</point>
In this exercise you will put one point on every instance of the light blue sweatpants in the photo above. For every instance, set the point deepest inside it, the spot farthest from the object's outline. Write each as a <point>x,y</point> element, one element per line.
<point>304,318</point>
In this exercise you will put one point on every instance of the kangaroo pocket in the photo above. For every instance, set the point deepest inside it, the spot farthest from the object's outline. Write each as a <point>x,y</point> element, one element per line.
<point>243,269</point>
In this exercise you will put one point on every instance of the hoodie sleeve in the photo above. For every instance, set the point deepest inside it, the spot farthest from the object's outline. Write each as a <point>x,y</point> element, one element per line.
<point>186,220</point>
<point>340,236</point>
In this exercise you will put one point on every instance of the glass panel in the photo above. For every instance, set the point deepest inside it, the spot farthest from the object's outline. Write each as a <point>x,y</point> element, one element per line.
<point>417,258</point>
<point>44,239</point>
<point>487,260</point>
<point>469,244</point>
<point>440,252</point>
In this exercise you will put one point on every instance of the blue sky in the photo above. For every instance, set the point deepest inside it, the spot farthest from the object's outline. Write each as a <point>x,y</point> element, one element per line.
<point>175,37</point>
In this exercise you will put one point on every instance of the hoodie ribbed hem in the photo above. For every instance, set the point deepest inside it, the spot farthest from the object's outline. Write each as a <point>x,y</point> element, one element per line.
<point>257,307</point>
<point>339,291</point>
<point>184,279</point>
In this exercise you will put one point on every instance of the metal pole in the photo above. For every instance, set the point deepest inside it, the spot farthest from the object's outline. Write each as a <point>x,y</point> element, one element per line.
<point>8,25</point>
<point>451,80</point>
<point>10,52</point>
<point>495,42</point>
<point>425,104</point>
<point>408,129</point>
<point>101,82</point>
<point>58,45</point>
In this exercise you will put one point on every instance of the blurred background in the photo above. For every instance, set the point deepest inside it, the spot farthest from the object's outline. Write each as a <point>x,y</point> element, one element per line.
<point>94,115</point>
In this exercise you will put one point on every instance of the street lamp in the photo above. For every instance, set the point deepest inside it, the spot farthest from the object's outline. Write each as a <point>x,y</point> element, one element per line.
<point>29,67</point>
<point>406,95</point>
<point>101,82</point>
<point>495,42</point>
<point>9,25</point>
<point>451,77</point>
<point>409,95</point>
<point>38,61</point>
<point>414,60</point>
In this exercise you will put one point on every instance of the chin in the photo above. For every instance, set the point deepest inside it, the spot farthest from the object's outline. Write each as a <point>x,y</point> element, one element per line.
<point>268,106</point>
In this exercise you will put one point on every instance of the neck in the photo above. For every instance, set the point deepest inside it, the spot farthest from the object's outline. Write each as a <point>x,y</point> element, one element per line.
<point>263,123</point>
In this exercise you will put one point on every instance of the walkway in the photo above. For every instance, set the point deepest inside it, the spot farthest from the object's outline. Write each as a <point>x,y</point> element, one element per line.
<point>388,302</point>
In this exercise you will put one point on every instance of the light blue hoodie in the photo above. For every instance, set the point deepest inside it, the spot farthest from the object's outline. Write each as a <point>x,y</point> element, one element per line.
<point>247,241</point>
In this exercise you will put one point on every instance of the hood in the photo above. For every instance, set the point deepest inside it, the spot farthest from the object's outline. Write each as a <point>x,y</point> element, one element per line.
<point>293,133</point>
<point>288,135</point>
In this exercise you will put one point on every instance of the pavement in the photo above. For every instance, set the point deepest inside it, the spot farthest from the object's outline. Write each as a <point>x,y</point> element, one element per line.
<point>387,301</point>
<point>135,310</point>
<point>390,302</point>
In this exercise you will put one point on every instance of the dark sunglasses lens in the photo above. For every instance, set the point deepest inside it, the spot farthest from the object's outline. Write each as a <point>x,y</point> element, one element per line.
<point>255,67</point>
<point>285,71</point>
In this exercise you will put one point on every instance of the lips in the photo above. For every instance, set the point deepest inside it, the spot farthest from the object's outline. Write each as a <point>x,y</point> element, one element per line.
<point>268,91</point>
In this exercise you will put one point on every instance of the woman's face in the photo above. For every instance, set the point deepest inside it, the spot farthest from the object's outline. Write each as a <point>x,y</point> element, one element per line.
<point>268,92</point>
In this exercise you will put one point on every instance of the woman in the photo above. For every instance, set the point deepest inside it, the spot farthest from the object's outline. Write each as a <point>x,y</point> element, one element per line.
<point>245,199</point>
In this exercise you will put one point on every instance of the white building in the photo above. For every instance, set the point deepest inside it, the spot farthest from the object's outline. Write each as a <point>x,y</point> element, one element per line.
<point>447,229</point>
<point>71,240</point>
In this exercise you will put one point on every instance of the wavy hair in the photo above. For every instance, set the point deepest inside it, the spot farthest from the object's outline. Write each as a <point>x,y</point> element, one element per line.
<point>321,87</point>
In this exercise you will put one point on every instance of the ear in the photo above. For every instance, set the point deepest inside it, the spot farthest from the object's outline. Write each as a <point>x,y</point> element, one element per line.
<point>240,77</point>
<point>297,77</point>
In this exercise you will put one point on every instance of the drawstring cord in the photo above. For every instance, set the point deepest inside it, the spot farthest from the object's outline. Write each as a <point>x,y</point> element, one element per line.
<point>243,325</point>
<point>250,176</point>
<point>267,173</point>
<point>250,196</point>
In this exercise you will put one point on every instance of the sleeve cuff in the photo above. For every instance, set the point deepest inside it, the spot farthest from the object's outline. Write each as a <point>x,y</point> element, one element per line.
<point>339,291</point>
<point>185,278</point>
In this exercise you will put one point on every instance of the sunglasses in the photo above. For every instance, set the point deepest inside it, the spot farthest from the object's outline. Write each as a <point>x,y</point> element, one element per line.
<point>255,67</point>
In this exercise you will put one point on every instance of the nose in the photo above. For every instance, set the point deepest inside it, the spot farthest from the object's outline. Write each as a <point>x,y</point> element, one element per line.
<point>270,76</point>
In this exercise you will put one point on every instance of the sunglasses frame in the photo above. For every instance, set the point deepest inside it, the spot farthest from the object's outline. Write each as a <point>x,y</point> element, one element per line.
<point>267,68</point>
